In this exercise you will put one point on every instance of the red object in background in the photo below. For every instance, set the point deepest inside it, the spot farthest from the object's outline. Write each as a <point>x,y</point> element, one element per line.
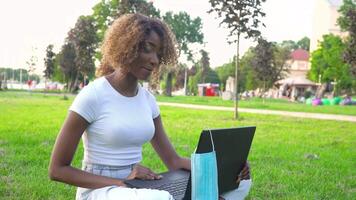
<point>29,83</point>
<point>210,91</point>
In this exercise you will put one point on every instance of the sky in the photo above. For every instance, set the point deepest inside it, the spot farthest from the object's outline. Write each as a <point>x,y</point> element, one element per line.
<point>28,27</point>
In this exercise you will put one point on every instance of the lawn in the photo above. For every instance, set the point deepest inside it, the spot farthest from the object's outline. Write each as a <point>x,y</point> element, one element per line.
<point>291,158</point>
<point>268,104</point>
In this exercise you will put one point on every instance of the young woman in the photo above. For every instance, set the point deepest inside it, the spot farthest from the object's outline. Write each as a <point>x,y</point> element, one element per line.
<point>116,116</point>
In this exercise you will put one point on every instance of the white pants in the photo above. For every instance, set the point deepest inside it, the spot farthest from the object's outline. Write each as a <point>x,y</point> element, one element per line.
<point>121,172</point>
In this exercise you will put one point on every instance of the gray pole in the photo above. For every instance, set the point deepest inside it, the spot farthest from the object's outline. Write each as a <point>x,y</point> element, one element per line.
<point>21,77</point>
<point>185,81</point>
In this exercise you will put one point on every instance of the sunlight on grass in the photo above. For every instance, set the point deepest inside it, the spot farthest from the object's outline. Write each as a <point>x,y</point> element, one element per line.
<point>291,158</point>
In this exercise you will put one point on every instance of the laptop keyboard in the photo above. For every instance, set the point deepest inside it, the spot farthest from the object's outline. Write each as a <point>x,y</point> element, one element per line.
<point>175,188</point>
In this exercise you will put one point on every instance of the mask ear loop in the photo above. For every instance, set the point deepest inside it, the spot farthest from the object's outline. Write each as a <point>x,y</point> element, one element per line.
<point>211,139</point>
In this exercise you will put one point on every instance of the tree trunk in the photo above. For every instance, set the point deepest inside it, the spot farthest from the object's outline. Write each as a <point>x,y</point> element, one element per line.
<point>236,75</point>
<point>264,91</point>
<point>168,91</point>
<point>320,91</point>
<point>74,82</point>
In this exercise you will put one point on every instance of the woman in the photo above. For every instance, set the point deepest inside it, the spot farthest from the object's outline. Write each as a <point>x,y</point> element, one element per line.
<point>117,115</point>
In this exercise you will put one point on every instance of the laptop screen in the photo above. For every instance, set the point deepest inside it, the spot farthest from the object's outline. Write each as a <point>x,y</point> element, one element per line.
<point>232,146</point>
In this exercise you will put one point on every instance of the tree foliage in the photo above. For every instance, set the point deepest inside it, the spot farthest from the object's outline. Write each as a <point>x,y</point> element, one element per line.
<point>49,62</point>
<point>327,62</point>
<point>347,22</point>
<point>262,63</point>
<point>137,6</point>
<point>67,63</point>
<point>291,45</point>
<point>280,65</point>
<point>204,65</point>
<point>31,62</point>
<point>304,43</point>
<point>239,16</point>
<point>85,41</point>
<point>186,30</point>
<point>77,55</point>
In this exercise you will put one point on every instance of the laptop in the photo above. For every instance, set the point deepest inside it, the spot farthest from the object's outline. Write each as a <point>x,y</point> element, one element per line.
<point>232,146</point>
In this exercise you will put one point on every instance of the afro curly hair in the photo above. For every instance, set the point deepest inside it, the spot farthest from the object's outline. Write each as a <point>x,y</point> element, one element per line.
<point>124,38</point>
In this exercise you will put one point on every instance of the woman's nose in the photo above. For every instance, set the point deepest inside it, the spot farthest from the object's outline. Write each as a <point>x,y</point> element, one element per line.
<point>154,59</point>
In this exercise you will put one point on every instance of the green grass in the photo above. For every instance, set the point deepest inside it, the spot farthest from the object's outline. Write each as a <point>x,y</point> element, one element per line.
<point>269,104</point>
<point>291,158</point>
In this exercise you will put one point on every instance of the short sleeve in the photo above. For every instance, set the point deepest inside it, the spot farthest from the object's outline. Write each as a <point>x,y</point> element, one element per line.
<point>85,103</point>
<point>153,104</point>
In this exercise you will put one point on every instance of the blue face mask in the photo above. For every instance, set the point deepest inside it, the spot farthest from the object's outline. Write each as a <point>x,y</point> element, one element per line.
<point>204,175</point>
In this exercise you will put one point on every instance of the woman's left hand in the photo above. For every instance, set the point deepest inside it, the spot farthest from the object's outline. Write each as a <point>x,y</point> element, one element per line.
<point>141,172</point>
<point>244,174</point>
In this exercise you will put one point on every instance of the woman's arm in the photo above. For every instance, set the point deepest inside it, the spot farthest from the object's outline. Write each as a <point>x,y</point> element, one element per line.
<point>60,168</point>
<point>165,150</point>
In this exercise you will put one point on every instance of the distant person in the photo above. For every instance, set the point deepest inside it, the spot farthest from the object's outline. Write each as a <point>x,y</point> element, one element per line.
<point>116,116</point>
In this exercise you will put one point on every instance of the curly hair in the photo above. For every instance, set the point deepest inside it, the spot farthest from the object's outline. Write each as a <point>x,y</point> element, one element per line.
<point>123,39</point>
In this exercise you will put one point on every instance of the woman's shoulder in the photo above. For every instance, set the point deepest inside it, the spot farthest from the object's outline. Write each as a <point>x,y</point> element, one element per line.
<point>147,92</point>
<point>95,85</point>
<point>91,90</point>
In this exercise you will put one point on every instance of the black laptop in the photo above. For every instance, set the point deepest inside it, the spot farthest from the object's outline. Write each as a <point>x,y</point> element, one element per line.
<point>232,146</point>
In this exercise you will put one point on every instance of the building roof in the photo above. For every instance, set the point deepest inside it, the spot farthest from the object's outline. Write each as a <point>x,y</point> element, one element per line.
<point>335,2</point>
<point>299,80</point>
<point>300,54</point>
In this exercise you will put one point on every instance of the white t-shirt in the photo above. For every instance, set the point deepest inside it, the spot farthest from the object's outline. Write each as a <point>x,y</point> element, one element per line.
<point>119,125</point>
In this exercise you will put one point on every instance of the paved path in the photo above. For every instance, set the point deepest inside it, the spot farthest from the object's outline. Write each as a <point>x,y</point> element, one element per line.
<point>269,112</point>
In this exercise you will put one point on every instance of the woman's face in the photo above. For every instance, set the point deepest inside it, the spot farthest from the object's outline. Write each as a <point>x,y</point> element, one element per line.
<point>148,57</point>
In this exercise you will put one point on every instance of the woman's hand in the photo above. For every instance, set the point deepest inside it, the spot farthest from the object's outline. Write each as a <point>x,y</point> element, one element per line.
<point>245,173</point>
<point>141,172</point>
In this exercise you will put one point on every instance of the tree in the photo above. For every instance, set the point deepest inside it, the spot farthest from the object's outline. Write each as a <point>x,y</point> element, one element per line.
<point>187,31</point>
<point>68,65</point>
<point>137,6</point>
<point>327,63</point>
<point>246,78</point>
<point>269,63</point>
<point>280,66</point>
<point>77,55</point>
<point>205,65</point>
<point>347,22</point>
<point>262,63</point>
<point>241,17</point>
<point>84,38</point>
<point>31,64</point>
<point>49,62</point>
<point>58,74</point>
<point>207,75</point>
<point>289,44</point>
<point>304,43</point>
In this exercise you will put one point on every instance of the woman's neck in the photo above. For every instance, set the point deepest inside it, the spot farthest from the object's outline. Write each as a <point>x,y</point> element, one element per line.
<point>124,83</point>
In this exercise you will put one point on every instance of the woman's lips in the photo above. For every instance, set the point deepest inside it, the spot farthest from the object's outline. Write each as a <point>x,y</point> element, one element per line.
<point>148,69</point>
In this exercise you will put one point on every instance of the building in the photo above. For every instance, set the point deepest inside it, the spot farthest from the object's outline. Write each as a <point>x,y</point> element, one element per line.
<point>296,83</point>
<point>325,21</point>
<point>299,63</point>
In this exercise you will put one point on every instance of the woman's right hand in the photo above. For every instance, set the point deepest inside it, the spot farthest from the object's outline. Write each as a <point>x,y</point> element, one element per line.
<point>144,173</point>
